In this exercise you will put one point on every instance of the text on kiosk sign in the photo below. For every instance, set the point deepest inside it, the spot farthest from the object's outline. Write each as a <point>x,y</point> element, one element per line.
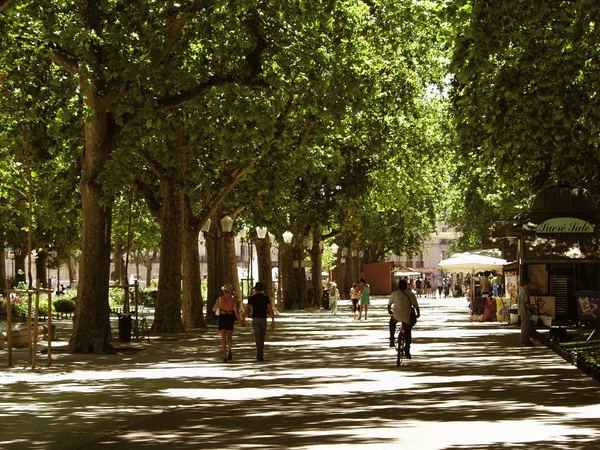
<point>565,225</point>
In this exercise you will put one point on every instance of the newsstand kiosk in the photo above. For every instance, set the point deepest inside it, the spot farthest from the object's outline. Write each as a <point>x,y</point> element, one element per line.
<point>559,251</point>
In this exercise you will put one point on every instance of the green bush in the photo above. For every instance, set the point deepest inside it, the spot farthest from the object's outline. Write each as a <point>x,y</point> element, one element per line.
<point>147,297</point>
<point>64,305</point>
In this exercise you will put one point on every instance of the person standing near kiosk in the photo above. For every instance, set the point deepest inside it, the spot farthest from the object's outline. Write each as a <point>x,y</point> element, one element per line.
<point>525,312</point>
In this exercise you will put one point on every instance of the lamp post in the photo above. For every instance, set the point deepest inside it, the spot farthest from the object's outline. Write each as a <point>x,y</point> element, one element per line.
<point>287,239</point>
<point>261,233</point>
<point>205,230</point>
<point>245,262</point>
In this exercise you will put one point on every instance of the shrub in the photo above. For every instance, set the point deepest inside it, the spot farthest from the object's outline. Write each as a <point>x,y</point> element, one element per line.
<point>64,305</point>
<point>147,297</point>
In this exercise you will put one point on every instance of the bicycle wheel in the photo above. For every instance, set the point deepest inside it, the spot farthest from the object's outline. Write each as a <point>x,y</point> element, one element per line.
<point>399,348</point>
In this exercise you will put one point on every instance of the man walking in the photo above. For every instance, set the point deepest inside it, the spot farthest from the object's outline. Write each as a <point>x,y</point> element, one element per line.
<point>525,312</point>
<point>400,306</point>
<point>260,305</point>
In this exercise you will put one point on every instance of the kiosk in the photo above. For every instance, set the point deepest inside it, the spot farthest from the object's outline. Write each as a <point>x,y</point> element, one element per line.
<point>558,249</point>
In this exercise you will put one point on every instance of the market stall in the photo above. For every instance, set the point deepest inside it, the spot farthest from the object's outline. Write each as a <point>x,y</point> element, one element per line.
<point>481,299</point>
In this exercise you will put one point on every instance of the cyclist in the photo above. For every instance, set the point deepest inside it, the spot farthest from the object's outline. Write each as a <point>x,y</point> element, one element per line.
<point>400,305</point>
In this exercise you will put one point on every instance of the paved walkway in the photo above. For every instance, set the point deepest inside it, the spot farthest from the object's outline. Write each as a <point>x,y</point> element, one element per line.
<point>326,382</point>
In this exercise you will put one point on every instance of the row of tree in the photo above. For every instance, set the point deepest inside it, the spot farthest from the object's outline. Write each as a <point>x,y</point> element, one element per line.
<point>128,128</point>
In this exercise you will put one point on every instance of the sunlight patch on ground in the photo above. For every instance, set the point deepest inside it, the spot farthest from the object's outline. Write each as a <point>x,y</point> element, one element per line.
<point>579,412</point>
<point>377,382</point>
<point>440,435</point>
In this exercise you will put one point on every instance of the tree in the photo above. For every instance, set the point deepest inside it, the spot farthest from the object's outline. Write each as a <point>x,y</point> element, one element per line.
<point>524,87</point>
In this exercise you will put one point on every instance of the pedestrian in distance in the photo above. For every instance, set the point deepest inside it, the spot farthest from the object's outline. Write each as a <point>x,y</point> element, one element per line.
<point>325,298</point>
<point>400,307</point>
<point>365,298</point>
<point>525,311</point>
<point>227,309</point>
<point>334,297</point>
<point>354,298</point>
<point>260,305</point>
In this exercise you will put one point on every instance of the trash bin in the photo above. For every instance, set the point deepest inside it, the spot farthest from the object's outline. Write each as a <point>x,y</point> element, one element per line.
<point>125,323</point>
<point>514,313</point>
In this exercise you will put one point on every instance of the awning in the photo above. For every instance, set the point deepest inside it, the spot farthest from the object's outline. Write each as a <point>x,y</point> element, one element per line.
<point>471,263</point>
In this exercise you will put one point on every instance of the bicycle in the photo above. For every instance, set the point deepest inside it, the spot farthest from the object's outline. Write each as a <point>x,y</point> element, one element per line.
<point>400,341</point>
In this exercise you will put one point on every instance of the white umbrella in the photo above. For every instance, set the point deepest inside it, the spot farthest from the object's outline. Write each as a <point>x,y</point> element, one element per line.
<point>471,263</point>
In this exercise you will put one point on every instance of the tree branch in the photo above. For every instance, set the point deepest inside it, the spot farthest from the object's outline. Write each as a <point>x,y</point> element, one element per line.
<point>151,201</point>
<point>226,187</point>
<point>184,98</point>
<point>4,4</point>
<point>304,138</point>
<point>64,60</point>
<point>153,163</point>
<point>175,29</point>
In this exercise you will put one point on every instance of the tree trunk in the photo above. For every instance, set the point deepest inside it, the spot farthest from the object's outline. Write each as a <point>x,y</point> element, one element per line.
<point>119,252</point>
<point>148,263</point>
<point>91,327</point>
<point>2,268</point>
<point>317,268</point>
<point>286,276</point>
<point>167,316</point>
<point>265,268</point>
<point>192,285</point>
<point>41,271</point>
<point>230,269</point>
<point>350,275</point>
<point>221,263</point>
<point>71,270</point>
<point>299,276</point>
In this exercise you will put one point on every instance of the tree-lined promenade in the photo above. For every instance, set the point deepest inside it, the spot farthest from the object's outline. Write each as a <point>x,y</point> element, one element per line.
<point>123,130</point>
<point>327,381</point>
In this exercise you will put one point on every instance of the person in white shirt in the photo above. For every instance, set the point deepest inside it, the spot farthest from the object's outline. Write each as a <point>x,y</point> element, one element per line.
<point>334,297</point>
<point>400,305</point>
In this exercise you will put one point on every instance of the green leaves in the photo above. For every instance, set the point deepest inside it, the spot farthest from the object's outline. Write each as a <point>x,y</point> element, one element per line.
<point>524,75</point>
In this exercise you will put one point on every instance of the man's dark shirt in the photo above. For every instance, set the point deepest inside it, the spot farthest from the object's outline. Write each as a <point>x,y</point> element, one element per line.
<point>259,303</point>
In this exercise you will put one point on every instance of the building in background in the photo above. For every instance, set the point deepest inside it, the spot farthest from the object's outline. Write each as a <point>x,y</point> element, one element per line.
<point>435,249</point>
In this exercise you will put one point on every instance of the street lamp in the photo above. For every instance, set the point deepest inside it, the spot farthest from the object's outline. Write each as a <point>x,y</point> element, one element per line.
<point>227,224</point>
<point>206,226</point>
<point>245,260</point>
<point>287,237</point>
<point>271,238</point>
<point>334,248</point>
<point>261,232</point>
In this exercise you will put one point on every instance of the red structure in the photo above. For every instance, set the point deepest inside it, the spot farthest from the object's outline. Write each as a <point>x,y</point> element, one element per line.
<point>379,277</point>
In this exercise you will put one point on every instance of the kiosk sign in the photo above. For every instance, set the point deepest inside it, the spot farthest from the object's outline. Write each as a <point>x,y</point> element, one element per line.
<point>565,225</point>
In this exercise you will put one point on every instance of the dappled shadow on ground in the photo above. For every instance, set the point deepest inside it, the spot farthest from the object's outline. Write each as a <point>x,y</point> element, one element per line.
<point>327,381</point>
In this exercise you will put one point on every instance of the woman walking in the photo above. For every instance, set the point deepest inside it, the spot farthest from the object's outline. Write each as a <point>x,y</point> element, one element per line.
<point>226,308</point>
<point>365,298</point>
